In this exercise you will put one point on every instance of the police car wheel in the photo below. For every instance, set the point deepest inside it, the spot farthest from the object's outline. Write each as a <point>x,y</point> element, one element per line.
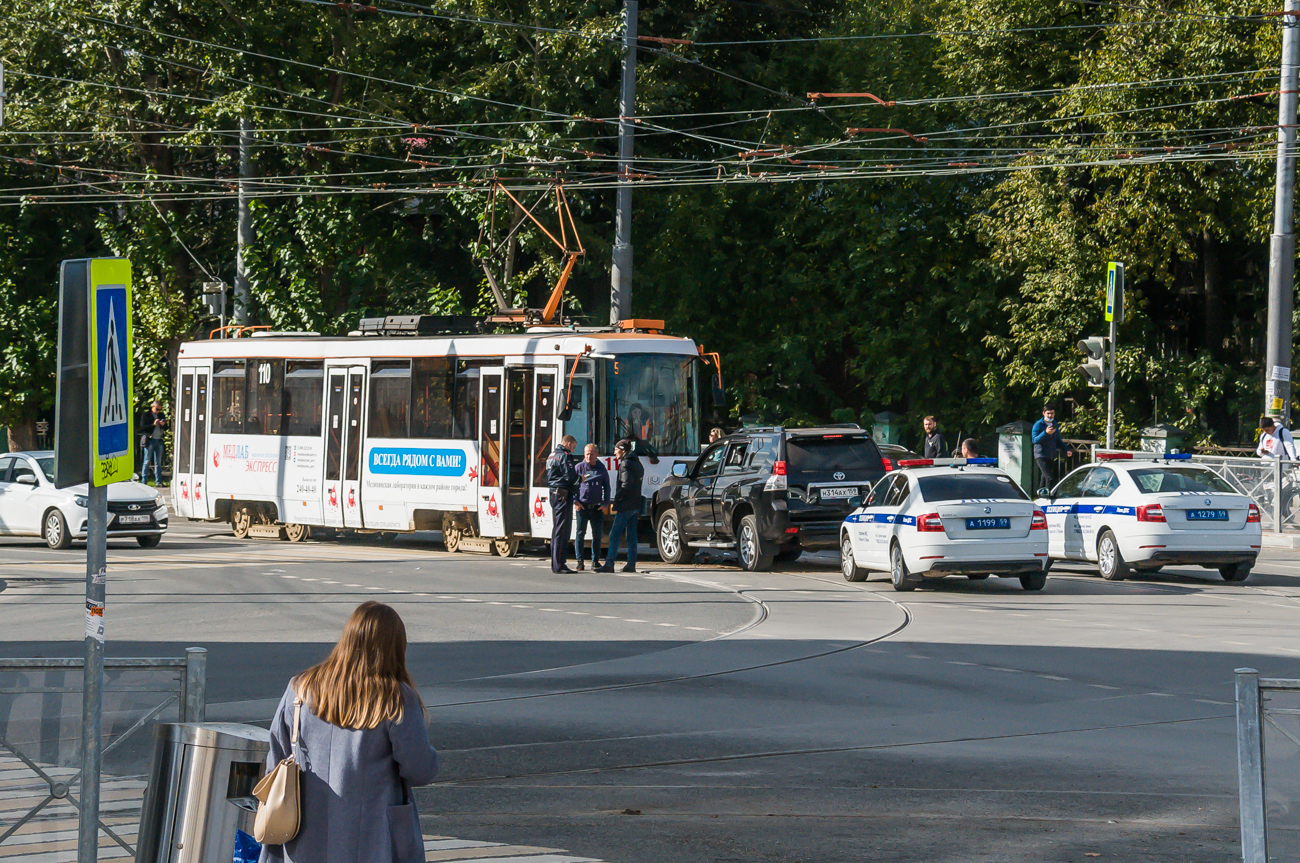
<point>668,536</point>
<point>789,554</point>
<point>898,574</point>
<point>1109,561</point>
<point>747,547</point>
<point>1235,572</point>
<point>849,566</point>
<point>1034,581</point>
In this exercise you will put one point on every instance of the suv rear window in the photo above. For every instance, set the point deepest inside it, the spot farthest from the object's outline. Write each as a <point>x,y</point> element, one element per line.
<point>831,453</point>
<point>970,486</point>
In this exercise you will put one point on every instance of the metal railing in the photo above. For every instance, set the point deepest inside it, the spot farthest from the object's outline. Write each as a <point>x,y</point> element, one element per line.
<point>1268,751</point>
<point>1274,485</point>
<point>47,680</point>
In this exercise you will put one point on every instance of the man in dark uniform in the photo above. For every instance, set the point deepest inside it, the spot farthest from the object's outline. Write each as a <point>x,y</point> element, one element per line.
<point>562,480</point>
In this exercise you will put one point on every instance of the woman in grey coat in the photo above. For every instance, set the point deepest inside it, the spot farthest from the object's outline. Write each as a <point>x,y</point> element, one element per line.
<point>361,747</point>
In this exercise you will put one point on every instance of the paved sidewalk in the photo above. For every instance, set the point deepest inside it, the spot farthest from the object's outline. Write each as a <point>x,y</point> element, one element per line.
<point>51,835</point>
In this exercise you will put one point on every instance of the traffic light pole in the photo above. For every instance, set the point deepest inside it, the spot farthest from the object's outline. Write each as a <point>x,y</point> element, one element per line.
<point>1281,251</point>
<point>1110,383</point>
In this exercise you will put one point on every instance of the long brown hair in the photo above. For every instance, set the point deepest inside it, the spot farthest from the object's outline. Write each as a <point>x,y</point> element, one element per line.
<point>359,683</point>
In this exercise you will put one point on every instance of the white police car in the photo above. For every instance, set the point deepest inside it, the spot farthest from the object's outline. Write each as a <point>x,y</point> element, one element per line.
<point>938,517</point>
<point>1136,511</point>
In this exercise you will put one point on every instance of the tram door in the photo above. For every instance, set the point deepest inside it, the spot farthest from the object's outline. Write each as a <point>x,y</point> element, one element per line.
<point>490,503</point>
<point>344,413</point>
<point>191,445</point>
<point>518,456</point>
<point>543,443</point>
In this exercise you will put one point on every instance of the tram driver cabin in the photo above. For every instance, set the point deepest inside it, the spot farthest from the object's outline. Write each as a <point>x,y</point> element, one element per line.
<point>400,433</point>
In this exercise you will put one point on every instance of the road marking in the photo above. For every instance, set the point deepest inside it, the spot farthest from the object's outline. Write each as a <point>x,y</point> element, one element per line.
<point>548,609</point>
<point>1102,686</point>
<point>354,585</point>
<point>1052,677</point>
<point>950,662</point>
<point>1161,694</point>
<point>665,624</point>
<point>626,619</point>
<point>601,616</point>
<point>696,628</point>
<point>467,599</point>
<point>579,613</point>
<point>1209,701</point>
<point>521,606</point>
<point>1008,670</point>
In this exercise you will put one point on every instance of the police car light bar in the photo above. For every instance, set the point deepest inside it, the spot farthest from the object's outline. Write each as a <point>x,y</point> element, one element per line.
<point>1143,456</point>
<point>940,462</point>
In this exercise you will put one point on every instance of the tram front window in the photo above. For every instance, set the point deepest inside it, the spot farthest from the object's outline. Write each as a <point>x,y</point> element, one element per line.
<point>653,398</point>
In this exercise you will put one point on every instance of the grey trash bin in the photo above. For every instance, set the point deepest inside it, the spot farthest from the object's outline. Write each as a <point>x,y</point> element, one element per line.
<point>200,791</point>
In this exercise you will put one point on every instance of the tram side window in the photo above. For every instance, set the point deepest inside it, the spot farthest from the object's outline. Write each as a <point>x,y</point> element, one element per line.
<point>390,398</point>
<point>228,397</point>
<point>265,379</point>
<point>304,387</point>
<point>432,389</point>
<point>466,410</point>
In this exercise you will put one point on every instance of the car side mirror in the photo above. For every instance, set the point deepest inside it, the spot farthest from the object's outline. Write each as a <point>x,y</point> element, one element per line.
<point>26,479</point>
<point>855,501</point>
<point>680,469</point>
<point>1044,492</point>
<point>719,394</point>
<point>564,413</point>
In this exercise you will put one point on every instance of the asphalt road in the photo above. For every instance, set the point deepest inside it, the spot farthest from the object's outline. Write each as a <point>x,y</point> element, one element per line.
<point>707,714</point>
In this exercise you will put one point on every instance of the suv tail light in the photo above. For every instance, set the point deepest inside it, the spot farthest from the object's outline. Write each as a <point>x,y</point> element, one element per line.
<point>1253,515</point>
<point>929,523</point>
<point>777,481</point>
<point>1151,512</point>
<point>1038,521</point>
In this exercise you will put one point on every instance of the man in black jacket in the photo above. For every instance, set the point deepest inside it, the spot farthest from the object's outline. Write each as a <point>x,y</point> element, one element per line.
<point>627,506</point>
<point>562,480</point>
<point>152,426</point>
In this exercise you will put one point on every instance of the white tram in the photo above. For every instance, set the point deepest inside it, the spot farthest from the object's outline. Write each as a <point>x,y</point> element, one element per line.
<point>389,433</point>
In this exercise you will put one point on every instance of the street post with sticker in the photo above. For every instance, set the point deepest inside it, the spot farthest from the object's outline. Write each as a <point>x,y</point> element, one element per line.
<point>1115,315</point>
<point>93,435</point>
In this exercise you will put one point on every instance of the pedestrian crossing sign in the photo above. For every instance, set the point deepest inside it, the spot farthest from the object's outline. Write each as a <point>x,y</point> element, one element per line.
<point>111,399</point>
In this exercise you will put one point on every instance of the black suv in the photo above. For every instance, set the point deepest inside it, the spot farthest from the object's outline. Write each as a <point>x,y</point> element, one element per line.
<point>767,492</point>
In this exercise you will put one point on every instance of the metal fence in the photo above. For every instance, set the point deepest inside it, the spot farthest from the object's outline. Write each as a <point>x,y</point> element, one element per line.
<point>40,722</point>
<point>1274,484</point>
<point>1268,766</point>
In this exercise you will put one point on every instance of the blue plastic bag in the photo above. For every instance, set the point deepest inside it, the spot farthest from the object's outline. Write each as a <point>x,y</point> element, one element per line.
<point>247,849</point>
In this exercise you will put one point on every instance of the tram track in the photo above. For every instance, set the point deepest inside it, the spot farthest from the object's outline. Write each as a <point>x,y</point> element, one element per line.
<point>684,678</point>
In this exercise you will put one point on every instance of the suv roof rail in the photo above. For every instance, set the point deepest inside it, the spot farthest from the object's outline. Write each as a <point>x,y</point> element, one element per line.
<point>840,426</point>
<point>759,429</point>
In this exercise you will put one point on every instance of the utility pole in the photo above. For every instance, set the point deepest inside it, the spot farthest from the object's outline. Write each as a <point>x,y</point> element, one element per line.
<point>620,290</point>
<point>245,229</point>
<point>1281,247</point>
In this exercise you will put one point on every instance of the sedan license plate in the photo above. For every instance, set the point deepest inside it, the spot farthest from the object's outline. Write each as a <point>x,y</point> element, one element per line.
<point>133,519</point>
<point>988,524</point>
<point>844,491</point>
<point>1207,515</point>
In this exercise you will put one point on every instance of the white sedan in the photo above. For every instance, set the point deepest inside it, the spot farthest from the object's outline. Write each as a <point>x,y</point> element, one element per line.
<point>30,505</point>
<point>1141,512</point>
<point>938,517</point>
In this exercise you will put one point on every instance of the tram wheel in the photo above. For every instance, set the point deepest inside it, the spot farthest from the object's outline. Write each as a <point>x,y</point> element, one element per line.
<point>451,535</point>
<point>297,532</point>
<point>240,521</point>
<point>505,547</point>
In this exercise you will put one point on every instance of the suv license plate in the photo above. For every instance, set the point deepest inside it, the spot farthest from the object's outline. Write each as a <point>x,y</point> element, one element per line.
<point>846,491</point>
<point>988,524</point>
<point>133,519</point>
<point>1207,515</point>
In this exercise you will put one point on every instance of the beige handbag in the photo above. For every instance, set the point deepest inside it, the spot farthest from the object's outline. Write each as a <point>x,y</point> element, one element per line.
<point>279,812</point>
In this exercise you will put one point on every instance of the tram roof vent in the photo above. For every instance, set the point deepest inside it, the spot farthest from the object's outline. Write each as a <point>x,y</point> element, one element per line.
<point>420,325</point>
<point>641,325</point>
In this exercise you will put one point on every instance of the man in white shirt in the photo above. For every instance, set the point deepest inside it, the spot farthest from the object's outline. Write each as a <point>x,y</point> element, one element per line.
<point>1275,441</point>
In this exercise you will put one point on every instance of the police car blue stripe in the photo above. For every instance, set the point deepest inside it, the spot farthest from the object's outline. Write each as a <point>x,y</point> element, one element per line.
<point>880,518</point>
<point>1088,509</point>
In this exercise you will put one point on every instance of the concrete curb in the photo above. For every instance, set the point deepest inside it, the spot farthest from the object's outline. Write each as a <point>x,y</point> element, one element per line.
<point>1281,540</point>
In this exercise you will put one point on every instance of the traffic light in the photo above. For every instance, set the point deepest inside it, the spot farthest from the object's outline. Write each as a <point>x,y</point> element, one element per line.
<point>1095,370</point>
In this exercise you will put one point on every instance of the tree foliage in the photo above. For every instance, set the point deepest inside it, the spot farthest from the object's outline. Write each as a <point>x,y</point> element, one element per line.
<point>945,261</point>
